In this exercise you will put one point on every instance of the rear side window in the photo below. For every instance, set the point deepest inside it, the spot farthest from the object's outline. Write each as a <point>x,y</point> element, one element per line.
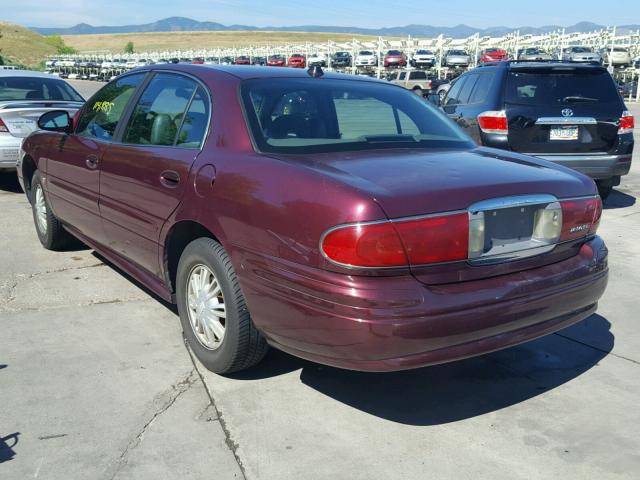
<point>418,75</point>
<point>553,88</point>
<point>101,114</point>
<point>481,88</point>
<point>465,91</point>
<point>454,92</point>
<point>35,88</point>
<point>196,120</point>
<point>159,112</point>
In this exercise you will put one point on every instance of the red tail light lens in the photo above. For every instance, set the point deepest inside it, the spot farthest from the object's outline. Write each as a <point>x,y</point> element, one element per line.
<point>580,217</point>
<point>435,239</point>
<point>627,123</point>
<point>3,127</point>
<point>493,122</point>
<point>399,243</point>
<point>365,245</point>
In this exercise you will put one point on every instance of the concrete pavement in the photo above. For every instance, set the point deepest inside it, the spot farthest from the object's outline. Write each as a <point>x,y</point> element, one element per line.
<point>95,382</point>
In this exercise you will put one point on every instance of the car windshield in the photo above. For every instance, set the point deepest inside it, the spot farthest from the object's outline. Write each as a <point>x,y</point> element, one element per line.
<point>533,51</point>
<point>394,52</point>
<point>457,52</point>
<point>581,50</point>
<point>35,88</point>
<point>423,52</point>
<point>553,88</point>
<point>364,52</point>
<point>330,115</point>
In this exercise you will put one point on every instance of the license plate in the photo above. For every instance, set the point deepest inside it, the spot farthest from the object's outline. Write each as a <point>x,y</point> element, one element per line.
<point>563,133</point>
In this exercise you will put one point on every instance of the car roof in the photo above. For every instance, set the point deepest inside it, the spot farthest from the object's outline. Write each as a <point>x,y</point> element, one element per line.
<point>244,72</point>
<point>542,65</point>
<point>26,73</point>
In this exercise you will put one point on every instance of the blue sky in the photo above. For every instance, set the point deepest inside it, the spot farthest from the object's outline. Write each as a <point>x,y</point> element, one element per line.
<point>361,13</point>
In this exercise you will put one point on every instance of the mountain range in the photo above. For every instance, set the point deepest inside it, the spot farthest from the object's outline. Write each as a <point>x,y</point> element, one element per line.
<point>182,24</point>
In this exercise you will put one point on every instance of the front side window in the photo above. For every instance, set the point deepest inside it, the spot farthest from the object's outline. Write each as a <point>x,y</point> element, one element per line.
<point>159,112</point>
<point>308,116</point>
<point>101,114</point>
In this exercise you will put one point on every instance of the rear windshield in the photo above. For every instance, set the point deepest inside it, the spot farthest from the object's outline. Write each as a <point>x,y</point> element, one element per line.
<point>552,88</point>
<point>330,115</point>
<point>34,88</point>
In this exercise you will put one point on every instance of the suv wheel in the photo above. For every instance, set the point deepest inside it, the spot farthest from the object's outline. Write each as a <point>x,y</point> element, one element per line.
<point>213,312</point>
<point>604,189</point>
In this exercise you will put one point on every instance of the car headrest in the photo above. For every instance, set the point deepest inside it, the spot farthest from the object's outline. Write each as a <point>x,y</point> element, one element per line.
<point>163,130</point>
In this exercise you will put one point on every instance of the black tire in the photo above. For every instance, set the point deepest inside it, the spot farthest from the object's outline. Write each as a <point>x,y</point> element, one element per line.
<point>51,233</point>
<point>604,190</point>
<point>242,345</point>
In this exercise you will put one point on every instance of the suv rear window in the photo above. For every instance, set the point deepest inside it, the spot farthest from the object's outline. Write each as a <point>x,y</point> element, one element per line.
<point>552,88</point>
<point>311,116</point>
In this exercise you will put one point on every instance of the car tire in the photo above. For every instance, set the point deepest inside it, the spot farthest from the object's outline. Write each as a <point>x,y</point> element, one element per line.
<point>51,233</point>
<point>604,190</point>
<point>222,344</point>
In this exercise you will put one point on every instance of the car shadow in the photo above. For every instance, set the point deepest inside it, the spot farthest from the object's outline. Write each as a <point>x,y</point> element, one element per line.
<point>9,182</point>
<point>455,391</point>
<point>7,444</point>
<point>618,199</point>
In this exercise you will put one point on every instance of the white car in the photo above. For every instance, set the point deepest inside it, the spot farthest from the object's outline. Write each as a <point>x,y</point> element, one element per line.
<point>24,97</point>
<point>317,59</point>
<point>619,56</point>
<point>366,58</point>
<point>423,58</point>
<point>130,64</point>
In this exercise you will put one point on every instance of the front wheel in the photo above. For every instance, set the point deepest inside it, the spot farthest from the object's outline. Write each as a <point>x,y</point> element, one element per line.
<point>213,312</point>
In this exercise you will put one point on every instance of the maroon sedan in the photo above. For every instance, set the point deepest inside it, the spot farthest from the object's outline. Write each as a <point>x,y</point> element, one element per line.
<point>395,58</point>
<point>341,219</point>
<point>276,61</point>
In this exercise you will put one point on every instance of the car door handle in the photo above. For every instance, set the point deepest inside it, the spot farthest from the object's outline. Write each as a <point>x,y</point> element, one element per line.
<point>92,162</point>
<point>170,179</point>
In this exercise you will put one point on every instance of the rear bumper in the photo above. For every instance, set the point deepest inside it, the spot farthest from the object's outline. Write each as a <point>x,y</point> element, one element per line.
<point>9,151</point>
<point>397,323</point>
<point>596,166</point>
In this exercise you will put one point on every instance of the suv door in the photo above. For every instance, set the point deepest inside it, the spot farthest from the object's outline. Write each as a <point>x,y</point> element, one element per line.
<point>73,165</point>
<point>145,175</point>
<point>475,98</point>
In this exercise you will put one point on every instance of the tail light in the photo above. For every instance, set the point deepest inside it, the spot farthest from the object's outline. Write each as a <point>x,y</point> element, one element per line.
<point>399,243</point>
<point>493,122</point>
<point>453,236</point>
<point>580,217</point>
<point>627,123</point>
<point>3,127</point>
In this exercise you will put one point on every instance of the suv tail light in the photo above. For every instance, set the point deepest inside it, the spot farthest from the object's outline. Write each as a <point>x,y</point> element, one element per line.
<point>3,127</point>
<point>458,236</point>
<point>627,123</point>
<point>493,122</point>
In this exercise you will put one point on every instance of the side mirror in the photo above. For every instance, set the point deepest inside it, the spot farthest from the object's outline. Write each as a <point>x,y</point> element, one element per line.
<point>435,99</point>
<point>55,121</point>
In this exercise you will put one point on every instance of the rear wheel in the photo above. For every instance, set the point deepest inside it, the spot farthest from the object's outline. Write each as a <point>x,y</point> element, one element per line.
<point>604,189</point>
<point>51,233</point>
<point>418,91</point>
<point>213,312</point>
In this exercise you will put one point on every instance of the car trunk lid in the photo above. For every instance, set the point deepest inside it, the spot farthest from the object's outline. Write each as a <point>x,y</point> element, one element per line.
<point>562,110</point>
<point>410,183</point>
<point>21,117</point>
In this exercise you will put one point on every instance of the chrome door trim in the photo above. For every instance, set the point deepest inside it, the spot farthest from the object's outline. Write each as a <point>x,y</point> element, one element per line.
<point>566,121</point>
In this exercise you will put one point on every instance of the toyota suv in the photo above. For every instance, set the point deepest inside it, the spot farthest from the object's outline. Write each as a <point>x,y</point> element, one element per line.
<point>568,113</point>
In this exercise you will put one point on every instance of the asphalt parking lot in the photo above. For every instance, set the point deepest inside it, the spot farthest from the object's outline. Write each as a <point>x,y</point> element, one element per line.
<point>96,383</point>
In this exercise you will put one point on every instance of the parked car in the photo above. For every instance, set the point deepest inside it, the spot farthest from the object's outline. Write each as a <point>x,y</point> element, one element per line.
<point>423,59</point>
<point>493,55</point>
<point>24,97</point>
<point>580,54</point>
<point>442,87</point>
<point>533,54</point>
<point>618,56</point>
<point>197,61</point>
<point>572,115</point>
<point>366,58</point>
<point>297,60</point>
<point>395,58</point>
<point>341,60</point>
<point>456,58</point>
<point>317,59</point>
<point>342,220</point>
<point>242,60</point>
<point>277,61</point>
<point>259,61</point>
<point>414,80</point>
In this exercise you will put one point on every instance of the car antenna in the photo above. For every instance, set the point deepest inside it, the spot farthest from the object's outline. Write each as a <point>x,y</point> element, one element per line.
<point>315,71</point>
